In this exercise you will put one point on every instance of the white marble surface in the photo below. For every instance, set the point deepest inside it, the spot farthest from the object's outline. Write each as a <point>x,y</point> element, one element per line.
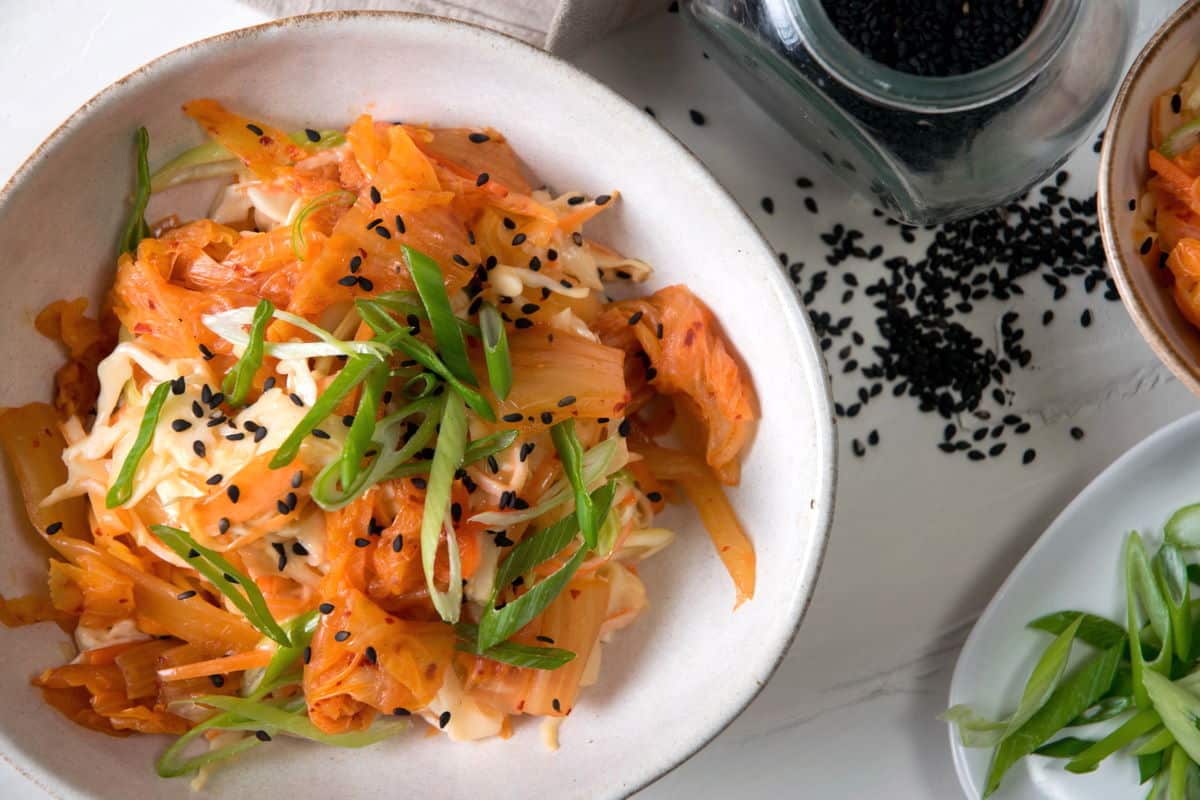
<point>921,539</point>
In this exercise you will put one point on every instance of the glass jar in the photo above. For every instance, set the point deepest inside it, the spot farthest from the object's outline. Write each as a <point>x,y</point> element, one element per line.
<point>925,149</point>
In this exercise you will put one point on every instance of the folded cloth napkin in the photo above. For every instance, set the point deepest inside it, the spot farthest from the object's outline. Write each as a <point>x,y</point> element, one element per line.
<point>555,25</point>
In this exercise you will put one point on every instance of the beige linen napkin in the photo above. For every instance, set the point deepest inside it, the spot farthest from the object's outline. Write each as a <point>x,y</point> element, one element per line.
<point>556,25</point>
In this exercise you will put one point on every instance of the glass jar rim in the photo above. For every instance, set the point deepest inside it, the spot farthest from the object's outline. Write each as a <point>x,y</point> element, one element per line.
<point>858,72</point>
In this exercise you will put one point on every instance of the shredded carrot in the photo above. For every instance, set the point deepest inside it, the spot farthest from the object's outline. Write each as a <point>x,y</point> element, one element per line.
<point>217,666</point>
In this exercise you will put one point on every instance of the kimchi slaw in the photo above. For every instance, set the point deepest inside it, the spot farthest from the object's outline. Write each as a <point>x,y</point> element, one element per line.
<point>368,443</point>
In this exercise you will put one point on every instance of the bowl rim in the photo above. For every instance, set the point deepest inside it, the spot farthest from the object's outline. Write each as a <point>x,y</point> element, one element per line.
<point>1144,319</point>
<point>825,433</point>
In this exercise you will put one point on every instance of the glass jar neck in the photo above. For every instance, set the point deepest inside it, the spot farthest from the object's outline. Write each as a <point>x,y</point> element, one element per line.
<point>934,95</point>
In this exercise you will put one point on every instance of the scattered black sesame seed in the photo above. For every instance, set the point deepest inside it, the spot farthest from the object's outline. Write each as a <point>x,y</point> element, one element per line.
<point>1077,433</point>
<point>320,434</point>
<point>257,131</point>
<point>697,117</point>
<point>233,492</point>
<point>547,418</point>
<point>654,497</point>
<point>1176,103</point>
<point>53,528</point>
<point>602,199</point>
<point>623,428</point>
<point>180,425</point>
<point>348,280</point>
<point>199,449</point>
<point>482,179</point>
<point>768,205</point>
<point>223,525</point>
<point>444,719</point>
<point>188,595</point>
<point>361,542</point>
<point>215,478</point>
<point>262,736</point>
<point>341,636</point>
<point>313,136</point>
<point>208,354</point>
<point>325,608</point>
<point>299,549</point>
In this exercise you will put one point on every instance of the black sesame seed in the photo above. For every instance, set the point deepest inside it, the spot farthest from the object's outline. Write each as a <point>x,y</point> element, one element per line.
<point>361,542</point>
<point>299,549</point>
<point>198,448</point>
<point>53,528</point>
<point>233,492</point>
<point>223,525</point>
<point>623,428</point>
<point>341,636</point>
<point>215,478</point>
<point>602,199</point>
<point>482,179</point>
<point>547,418</point>
<point>398,544</point>
<point>376,197</point>
<point>180,425</point>
<point>188,595</point>
<point>768,205</point>
<point>257,131</point>
<point>217,680</point>
<point>1176,103</point>
<point>208,354</point>
<point>320,434</point>
<point>1077,433</point>
<point>262,736</point>
<point>178,385</point>
<point>566,401</point>
<point>325,608</point>
<point>383,232</point>
<point>444,719</point>
<point>348,280</point>
<point>697,117</point>
<point>519,239</point>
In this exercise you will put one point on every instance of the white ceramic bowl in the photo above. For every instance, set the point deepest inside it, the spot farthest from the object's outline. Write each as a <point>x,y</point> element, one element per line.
<point>681,673</point>
<point>1162,64</point>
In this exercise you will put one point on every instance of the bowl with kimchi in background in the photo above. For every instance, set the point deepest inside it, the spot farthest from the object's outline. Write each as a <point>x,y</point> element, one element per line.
<point>671,680</point>
<point>1147,199</point>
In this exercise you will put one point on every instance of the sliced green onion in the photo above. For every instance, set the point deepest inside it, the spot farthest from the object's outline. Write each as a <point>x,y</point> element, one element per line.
<point>546,543</point>
<point>337,196</point>
<point>172,765</point>
<point>1179,710</point>
<point>420,385</point>
<point>1149,766</point>
<point>390,333</point>
<point>1096,631</point>
<point>1171,572</point>
<point>1106,709</point>
<point>229,326</point>
<point>1066,747</point>
<point>1181,139</point>
<point>519,655</point>
<point>977,731</point>
<point>122,488</point>
<point>358,438</point>
<point>240,378</point>
<point>1133,729</point>
<point>1183,528</point>
<point>408,304</point>
<point>136,228</point>
<point>1078,692</point>
<point>225,579</point>
<point>428,278</point>
<point>497,625</point>
<point>1142,591</point>
<point>570,452</point>
<point>1159,741</point>
<point>495,350</point>
<point>353,372</point>
<point>1179,772</point>
<point>298,724</point>
<point>447,458</point>
<point>598,463</point>
<point>212,159</point>
<point>390,455</point>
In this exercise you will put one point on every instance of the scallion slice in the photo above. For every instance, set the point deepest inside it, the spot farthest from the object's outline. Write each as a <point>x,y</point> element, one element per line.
<point>428,278</point>
<point>337,196</point>
<point>447,458</point>
<point>519,655</point>
<point>122,488</point>
<point>570,452</point>
<point>225,578</point>
<point>353,372</point>
<point>240,378</point>
<point>495,350</point>
<point>358,439</point>
<point>136,228</point>
<point>1142,593</point>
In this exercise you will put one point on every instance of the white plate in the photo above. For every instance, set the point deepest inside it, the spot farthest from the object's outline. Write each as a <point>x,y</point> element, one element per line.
<point>1075,565</point>
<point>681,673</point>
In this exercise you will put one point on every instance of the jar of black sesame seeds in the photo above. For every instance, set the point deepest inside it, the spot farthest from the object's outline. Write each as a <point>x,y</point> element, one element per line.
<point>936,109</point>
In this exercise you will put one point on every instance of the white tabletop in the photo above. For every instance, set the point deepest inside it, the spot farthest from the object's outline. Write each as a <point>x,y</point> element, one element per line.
<point>921,539</point>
